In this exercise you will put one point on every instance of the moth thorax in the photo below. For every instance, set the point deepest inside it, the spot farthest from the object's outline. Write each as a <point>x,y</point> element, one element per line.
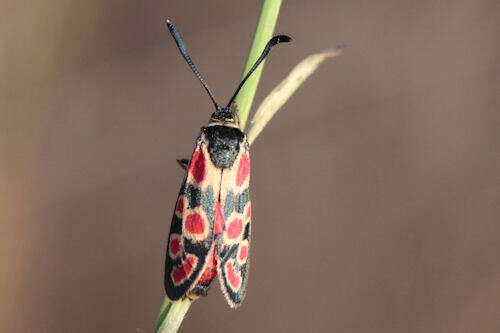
<point>223,144</point>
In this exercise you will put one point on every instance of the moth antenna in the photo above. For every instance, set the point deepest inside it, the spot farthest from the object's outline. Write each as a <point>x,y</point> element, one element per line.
<point>182,48</point>
<point>269,46</point>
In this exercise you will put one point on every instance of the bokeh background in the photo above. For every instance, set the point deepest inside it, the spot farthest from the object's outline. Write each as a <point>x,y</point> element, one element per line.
<point>375,190</point>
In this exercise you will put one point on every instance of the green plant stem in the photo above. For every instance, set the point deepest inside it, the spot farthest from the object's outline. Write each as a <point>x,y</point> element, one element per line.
<point>164,310</point>
<point>172,313</point>
<point>263,32</point>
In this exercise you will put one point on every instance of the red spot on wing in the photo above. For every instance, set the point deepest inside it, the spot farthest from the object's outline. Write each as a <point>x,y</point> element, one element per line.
<point>195,224</point>
<point>211,270</point>
<point>183,271</point>
<point>243,252</point>
<point>235,228</point>
<point>209,274</point>
<point>233,277</point>
<point>175,246</point>
<point>219,219</point>
<point>180,206</point>
<point>197,167</point>
<point>243,170</point>
<point>249,211</point>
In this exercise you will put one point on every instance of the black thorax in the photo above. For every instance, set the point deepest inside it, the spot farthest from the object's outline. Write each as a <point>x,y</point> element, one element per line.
<point>224,144</point>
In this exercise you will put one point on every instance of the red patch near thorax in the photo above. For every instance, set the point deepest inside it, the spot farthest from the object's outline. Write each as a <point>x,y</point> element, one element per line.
<point>219,219</point>
<point>197,166</point>
<point>243,170</point>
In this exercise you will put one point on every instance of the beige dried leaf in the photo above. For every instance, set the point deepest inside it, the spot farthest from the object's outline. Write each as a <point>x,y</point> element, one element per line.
<point>284,90</point>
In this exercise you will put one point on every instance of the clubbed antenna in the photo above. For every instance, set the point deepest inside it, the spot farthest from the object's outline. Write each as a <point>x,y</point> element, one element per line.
<point>272,42</point>
<point>182,48</point>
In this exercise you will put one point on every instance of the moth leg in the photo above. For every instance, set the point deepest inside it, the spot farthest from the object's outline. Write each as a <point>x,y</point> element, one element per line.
<point>183,163</point>
<point>201,289</point>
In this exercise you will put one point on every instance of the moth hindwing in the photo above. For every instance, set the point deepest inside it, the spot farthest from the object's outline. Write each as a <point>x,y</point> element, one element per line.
<point>210,228</point>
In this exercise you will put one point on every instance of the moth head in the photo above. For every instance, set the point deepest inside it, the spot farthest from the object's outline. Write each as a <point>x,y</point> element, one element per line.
<point>224,115</point>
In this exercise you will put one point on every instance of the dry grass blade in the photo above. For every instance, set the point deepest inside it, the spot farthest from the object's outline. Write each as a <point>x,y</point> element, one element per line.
<point>282,92</point>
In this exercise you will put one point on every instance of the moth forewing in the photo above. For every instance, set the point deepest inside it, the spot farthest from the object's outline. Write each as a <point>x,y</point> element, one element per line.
<point>202,193</point>
<point>234,246</point>
<point>191,235</point>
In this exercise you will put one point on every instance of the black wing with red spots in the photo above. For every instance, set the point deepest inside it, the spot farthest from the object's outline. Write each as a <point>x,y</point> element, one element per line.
<point>233,247</point>
<point>192,228</point>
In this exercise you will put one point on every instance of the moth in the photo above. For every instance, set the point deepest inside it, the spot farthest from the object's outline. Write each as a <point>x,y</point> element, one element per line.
<point>211,225</point>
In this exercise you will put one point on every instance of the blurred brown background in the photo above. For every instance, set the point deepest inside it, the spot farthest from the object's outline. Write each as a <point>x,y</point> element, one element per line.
<point>375,190</point>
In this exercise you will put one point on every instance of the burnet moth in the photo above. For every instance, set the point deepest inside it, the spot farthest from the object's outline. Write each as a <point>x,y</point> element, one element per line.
<point>210,229</point>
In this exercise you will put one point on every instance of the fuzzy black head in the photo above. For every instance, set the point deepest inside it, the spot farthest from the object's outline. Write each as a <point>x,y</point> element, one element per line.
<point>224,143</point>
<point>224,115</point>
